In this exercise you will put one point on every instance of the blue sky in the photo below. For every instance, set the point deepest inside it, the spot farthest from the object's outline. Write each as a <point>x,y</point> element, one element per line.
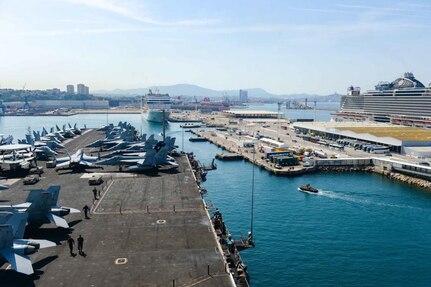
<point>281,46</point>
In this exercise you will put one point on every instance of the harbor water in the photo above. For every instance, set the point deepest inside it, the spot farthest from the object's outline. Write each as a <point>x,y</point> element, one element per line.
<point>362,230</point>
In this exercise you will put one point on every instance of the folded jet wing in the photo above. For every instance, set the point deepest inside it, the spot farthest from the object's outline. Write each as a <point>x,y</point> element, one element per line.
<point>13,248</point>
<point>42,207</point>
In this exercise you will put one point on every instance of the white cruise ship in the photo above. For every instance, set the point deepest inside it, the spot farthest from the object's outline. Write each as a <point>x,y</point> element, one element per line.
<point>405,101</point>
<point>154,105</point>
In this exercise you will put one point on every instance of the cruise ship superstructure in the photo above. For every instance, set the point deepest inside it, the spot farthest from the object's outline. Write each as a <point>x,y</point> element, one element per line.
<point>405,101</point>
<point>156,107</point>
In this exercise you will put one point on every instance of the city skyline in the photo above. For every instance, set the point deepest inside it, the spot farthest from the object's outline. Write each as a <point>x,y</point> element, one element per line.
<point>317,47</point>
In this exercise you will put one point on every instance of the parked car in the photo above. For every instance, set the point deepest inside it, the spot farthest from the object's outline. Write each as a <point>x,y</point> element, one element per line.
<point>36,170</point>
<point>31,179</point>
<point>95,180</point>
<point>51,164</point>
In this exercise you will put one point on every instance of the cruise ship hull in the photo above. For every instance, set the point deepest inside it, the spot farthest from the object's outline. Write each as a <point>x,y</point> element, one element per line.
<point>156,116</point>
<point>404,101</point>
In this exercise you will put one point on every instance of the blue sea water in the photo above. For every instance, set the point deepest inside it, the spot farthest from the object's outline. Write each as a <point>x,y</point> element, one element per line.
<point>362,230</point>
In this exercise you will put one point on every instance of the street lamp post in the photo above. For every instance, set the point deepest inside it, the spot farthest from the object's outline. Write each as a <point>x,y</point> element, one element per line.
<point>252,193</point>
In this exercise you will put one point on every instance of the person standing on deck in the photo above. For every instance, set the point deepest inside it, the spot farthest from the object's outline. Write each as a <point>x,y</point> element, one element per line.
<point>95,193</point>
<point>80,244</point>
<point>86,211</point>
<point>71,243</point>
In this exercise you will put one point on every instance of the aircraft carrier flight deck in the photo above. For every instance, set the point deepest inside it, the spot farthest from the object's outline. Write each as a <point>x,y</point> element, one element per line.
<point>144,229</point>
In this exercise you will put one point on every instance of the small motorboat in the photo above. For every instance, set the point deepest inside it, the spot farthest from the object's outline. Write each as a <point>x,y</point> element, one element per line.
<point>308,188</point>
<point>191,125</point>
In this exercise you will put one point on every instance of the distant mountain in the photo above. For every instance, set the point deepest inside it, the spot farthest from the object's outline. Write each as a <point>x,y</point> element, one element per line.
<point>173,90</point>
<point>197,91</point>
<point>330,98</point>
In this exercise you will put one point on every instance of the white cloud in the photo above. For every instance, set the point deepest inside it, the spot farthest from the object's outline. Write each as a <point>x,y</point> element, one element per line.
<point>64,32</point>
<point>128,11</point>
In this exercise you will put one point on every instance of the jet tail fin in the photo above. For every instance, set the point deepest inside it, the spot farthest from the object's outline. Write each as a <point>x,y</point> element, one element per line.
<point>18,222</point>
<point>150,158</point>
<point>172,143</point>
<point>57,220</point>
<point>55,192</point>
<point>29,139</point>
<point>161,156</point>
<point>6,235</point>
<point>20,263</point>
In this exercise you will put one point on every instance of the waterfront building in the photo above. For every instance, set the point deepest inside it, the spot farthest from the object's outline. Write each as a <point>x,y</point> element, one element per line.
<point>82,89</point>
<point>53,91</point>
<point>47,105</point>
<point>70,89</point>
<point>404,101</point>
<point>401,139</point>
<point>253,114</point>
<point>2,108</point>
<point>243,96</point>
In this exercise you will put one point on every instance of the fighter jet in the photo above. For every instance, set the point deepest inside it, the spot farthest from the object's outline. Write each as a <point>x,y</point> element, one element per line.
<point>41,149</point>
<point>42,207</point>
<point>126,144</point>
<point>5,140</point>
<point>16,155</point>
<point>75,129</point>
<point>106,128</point>
<point>52,134</point>
<point>13,248</point>
<point>140,147</point>
<point>143,146</point>
<point>76,160</point>
<point>146,164</point>
<point>50,140</point>
<point>67,132</point>
<point>164,160</point>
<point>116,139</point>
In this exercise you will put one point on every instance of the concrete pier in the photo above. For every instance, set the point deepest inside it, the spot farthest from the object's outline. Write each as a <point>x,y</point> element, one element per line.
<point>231,145</point>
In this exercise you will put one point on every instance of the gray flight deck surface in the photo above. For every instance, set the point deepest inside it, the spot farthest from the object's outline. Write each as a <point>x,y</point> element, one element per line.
<point>160,245</point>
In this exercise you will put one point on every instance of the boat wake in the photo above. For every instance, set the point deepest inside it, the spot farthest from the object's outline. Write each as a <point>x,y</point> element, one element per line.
<point>358,200</point>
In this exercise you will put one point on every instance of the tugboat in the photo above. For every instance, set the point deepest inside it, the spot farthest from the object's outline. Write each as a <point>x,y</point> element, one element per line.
<point>308,188</point>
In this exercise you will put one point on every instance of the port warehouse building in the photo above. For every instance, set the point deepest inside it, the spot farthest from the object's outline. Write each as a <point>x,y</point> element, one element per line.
<point>46,105</point>
<point>401,139</point>
<point>253,114</point>
<point>53,104</point>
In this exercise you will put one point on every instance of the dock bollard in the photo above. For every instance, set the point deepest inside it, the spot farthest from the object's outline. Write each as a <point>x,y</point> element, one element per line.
<point>174,208</point>
<point>209,271</point>
<point>148,210</point>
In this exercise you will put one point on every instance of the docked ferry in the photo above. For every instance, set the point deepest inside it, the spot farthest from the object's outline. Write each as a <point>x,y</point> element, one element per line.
<point>156,107</point>
<point>404,101</point>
